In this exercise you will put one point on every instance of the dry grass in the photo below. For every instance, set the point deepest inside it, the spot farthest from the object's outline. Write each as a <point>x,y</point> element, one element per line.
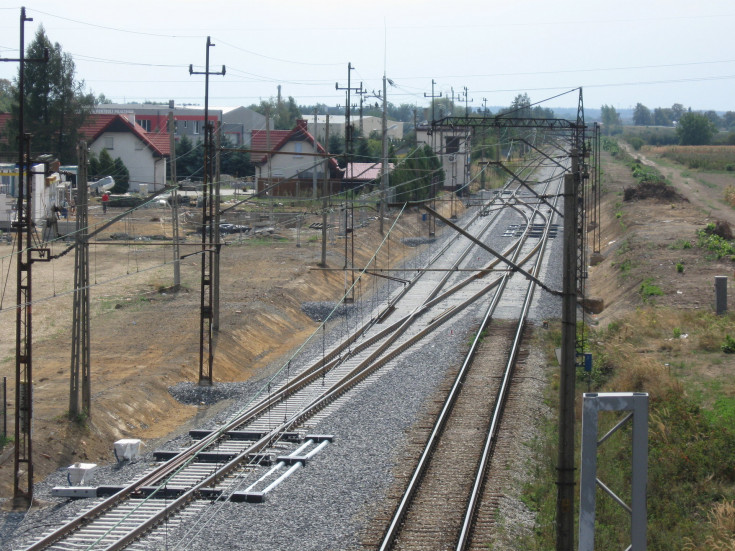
<point>708,157</point>
<point>722,519</point>
<point>730,195</point>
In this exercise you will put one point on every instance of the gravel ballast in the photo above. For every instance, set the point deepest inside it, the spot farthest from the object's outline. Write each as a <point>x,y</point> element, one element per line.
<point>328,503</point>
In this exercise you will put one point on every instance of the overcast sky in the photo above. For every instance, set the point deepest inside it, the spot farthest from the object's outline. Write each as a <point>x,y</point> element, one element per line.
<point>657,52</point>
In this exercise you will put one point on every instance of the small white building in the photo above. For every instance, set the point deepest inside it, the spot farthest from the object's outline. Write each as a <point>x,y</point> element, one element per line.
<point>337,124</point>
<point>48,192</point>
<point>453,149</point>
<point>143,153</point>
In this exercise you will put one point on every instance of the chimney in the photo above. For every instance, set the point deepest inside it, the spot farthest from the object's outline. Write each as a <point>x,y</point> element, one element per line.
<point>301,124</point>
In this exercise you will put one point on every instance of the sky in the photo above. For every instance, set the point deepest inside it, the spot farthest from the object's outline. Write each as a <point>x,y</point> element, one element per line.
<point>656,52</point>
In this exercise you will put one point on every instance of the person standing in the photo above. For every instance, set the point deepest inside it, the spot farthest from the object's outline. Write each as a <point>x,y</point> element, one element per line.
<point>105,200</point>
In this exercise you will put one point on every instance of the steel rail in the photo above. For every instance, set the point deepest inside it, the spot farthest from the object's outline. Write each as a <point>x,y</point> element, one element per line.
<point>432,442</point>
<point>189,455</point>
<point>500,399</point>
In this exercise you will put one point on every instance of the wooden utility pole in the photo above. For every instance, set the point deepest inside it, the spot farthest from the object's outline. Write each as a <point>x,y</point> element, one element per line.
<point>80,337</point>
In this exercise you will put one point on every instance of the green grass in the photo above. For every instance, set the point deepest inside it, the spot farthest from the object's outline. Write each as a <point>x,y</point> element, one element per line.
<point>719,247</point>
<point>648,289</point>
<point>691,465</point>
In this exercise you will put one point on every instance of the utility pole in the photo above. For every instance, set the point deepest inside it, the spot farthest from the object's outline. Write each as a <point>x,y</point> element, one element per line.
<point>314,179</point>
<point>565,459</point>
<point>23,327</point>
<point>348,125</point>
<point>384,180</point>
<point>210,250</point>
<point>467,101</point>
<point>433,116</point>
<point>432,220</point>
<point>325,194</point>
<point>361,93</point>
<point>174,198</point>
<point>217,242</point>
<point>80,337</point>
<point>268,140</point>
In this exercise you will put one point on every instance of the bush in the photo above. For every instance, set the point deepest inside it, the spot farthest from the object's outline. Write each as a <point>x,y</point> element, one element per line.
<point>728,347</point>
<point>648,289</point>
<point>636,142</point>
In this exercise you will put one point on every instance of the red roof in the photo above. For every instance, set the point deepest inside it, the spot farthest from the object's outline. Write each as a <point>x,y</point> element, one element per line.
<point>259,142</point>
<point>279,138</point>
<point>98,124</point>
<point>4,120</point>
<point>367,172</point>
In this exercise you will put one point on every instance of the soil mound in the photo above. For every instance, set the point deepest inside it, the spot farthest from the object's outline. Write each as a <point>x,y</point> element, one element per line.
<point>652,190</point>
<point>722,229</point>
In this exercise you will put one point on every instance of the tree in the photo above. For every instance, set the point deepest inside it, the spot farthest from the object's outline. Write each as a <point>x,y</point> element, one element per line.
<point>662,116</point>
<point>104,165</point>
<point>417,175</point>
<point>235,163</point>
<point>642,115</point>
<point>677,110</point>
<point>695,129</point>
<point>611,123</point>
<point>728,119</point>
<point>283,115</point>
<point>189,158</point>
<point>714,117</point>
<point>6,95</point>
<point>55,104</point>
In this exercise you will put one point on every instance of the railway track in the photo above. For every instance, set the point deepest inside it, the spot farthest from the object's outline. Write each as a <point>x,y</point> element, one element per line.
<point>449,502</point>
<point>270,438</point>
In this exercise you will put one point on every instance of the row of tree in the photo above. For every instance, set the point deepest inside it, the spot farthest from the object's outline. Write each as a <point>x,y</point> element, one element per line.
<point>663,116</point>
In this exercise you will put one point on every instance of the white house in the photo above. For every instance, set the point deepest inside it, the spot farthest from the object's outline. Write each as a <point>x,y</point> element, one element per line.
<point>291,157</point>
<point>143,153</point>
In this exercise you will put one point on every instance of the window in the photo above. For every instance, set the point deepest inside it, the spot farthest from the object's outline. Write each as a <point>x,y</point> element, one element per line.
<point>186,124</point>
<point>452,144</point>
<point>108,142</point>
<point>196,127</point>
<point>298,148</point>
<point>146,124</point>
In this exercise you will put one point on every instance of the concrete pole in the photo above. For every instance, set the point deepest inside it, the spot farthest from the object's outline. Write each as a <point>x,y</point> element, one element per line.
<point>565,460</point>
<point>174,203</point>
<point>325,194</point>
<point>313,192</point>
<point>720,295</point>
<point>384,179</point>
<point>217,244</point>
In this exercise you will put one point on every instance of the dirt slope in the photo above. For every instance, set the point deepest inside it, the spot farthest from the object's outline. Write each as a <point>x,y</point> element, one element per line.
<point>145,339</point>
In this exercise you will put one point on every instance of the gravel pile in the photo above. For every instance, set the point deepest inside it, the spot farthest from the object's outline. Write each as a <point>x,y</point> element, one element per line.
<point>418,241</point>
<point>191,393</point>
<point>318,311</point>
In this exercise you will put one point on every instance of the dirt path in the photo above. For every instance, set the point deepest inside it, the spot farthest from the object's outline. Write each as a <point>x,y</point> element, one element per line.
<point>706,191</point>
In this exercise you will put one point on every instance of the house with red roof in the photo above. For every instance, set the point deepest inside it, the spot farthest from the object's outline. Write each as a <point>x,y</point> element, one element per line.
<point>363,175</point>
<point>144,153</point>
<point>288,159</point>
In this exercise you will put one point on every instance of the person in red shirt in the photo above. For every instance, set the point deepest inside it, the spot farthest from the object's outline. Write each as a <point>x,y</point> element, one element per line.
<point>105,200</point>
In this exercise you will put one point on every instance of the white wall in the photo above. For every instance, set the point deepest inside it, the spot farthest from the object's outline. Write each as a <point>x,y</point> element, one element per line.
<point>287,163</point>
<point>143,166</point>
